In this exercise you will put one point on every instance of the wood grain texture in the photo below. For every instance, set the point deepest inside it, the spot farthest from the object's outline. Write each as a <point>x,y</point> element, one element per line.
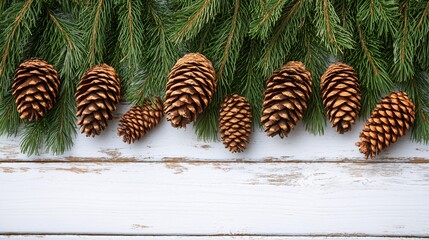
<point>173,198</point>
<point>165,143</point>
<point>76,237</point>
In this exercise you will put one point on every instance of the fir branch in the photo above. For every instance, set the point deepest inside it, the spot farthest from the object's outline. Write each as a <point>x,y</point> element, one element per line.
<point>267,15</point>
<point>190,19</point>
<point>95,20</point>
<point>369,62</point>
<point>284,37</point>
<point>248,80</point>
<point>159,54</point>
<point>417,90</point>
<point>379,16</point>
<point>17,23</point>
<point>129,58</point>
<point>421,32</point>
<point>404,51</point>
<point>334,37</point>
<point>32,139</point>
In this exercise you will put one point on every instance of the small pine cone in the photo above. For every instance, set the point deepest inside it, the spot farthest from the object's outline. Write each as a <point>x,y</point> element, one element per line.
<point>190,88</point>
<point>35,88</point>
<point>235,123</point>
<point>341,96</point>
<point>285,100</point>
<point>391,118</point>
<point>97,95</point>
<point>140,119</point>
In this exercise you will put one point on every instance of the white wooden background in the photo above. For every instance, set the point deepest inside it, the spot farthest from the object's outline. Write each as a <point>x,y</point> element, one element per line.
<point>172,186</point>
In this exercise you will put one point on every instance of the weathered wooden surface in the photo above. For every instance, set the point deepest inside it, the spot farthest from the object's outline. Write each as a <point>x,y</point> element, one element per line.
<point>172,186</point>
<point>75,237</point>
<point>177,198</point>
<point>166,143</point>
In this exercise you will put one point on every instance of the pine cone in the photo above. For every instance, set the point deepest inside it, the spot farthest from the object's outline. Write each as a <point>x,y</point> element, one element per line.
<point>285,100</point>
<point>235,123</point>
<point>35,88</point>
<point>390,120</point>
<point>341,96</point>
<point>97,95</point>
<point>140,119</point>
<point>190,87</point>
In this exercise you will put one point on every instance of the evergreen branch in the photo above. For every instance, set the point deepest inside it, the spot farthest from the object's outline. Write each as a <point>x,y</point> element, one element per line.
<point>333,36</point>
<point>248,80</point>
<point>94,31</point>
<point>371,67</point>
<point>422,16</point>
<point>403,49</point>
<point>363,44</point>
<point>328,23</point>
<point>16,24</point>
<point>129,59</point>
<point>417,91</point>
<point>95,21</point>
<point>263,24</point>
<point>284,37</point>
<point>228,42</point>
<point>379,16</point>
<point>191,19</point>
<point>32,138</point>
<point>9,116</point>
<point>130,22</point>
<point>60,28</point>
<point>158,53</point>
<point>421,32</point>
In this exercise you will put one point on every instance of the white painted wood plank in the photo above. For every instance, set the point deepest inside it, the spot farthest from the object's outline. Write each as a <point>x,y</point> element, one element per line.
<point>75,237</point>
<point>215,198</point>
<point>165,143</point>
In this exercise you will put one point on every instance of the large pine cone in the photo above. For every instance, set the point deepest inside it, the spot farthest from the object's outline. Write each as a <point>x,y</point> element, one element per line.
<point>35,88</point>
<point>97,95</point>
<point>288,91</point>
<point>140,119</point>
<point>190,88</point>
<point>341,96</point>
<point>235,123</point>
<point>390,120</point>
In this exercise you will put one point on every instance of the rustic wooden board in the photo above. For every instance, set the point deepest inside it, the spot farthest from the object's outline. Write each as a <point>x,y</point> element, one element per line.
<point>166,143</point>
<point>175,198</point>
<point>75,237</point>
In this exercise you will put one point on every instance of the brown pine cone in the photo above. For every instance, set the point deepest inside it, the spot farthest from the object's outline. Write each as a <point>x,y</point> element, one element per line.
<point>140,119</point>
<point>285,100</point>
<point>190,88</point>
<point>235,123</point>
<point>97,95</point>
<point>35,88</point>
<point>341,96</point>
<point>391,118</point>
